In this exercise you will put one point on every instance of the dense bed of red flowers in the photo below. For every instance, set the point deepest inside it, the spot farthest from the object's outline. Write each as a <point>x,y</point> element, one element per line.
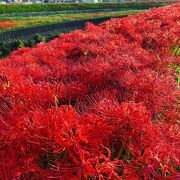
<point>99,103</point>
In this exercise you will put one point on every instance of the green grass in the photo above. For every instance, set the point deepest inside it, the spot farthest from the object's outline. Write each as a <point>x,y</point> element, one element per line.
<point>58,18</point>
<point>175,49</point>
<point>20,8</point>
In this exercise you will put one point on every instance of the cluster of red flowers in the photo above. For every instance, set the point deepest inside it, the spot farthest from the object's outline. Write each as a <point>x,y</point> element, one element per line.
<point>99,103</point>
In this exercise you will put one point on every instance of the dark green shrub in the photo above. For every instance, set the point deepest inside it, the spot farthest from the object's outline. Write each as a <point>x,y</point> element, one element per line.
<point>31,43</point>
<point>39,38</point>
<point>52,36</point>
<point>6,48</point>
<point>19,44</point>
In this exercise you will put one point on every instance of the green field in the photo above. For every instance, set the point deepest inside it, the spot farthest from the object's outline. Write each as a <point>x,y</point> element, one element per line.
<point>19,8</point>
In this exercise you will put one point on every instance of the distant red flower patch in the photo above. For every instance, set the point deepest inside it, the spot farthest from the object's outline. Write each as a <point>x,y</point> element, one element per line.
<point>8,24</point>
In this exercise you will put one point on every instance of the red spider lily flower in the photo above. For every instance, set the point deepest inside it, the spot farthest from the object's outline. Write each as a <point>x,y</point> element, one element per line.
<point>98,103</point>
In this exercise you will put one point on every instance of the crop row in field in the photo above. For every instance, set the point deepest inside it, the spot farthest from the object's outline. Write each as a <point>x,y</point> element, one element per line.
<point>16,8</point>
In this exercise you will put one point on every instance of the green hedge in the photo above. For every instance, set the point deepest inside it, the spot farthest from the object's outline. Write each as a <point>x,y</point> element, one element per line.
<point>7,47</point>
<point>20,8</point>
